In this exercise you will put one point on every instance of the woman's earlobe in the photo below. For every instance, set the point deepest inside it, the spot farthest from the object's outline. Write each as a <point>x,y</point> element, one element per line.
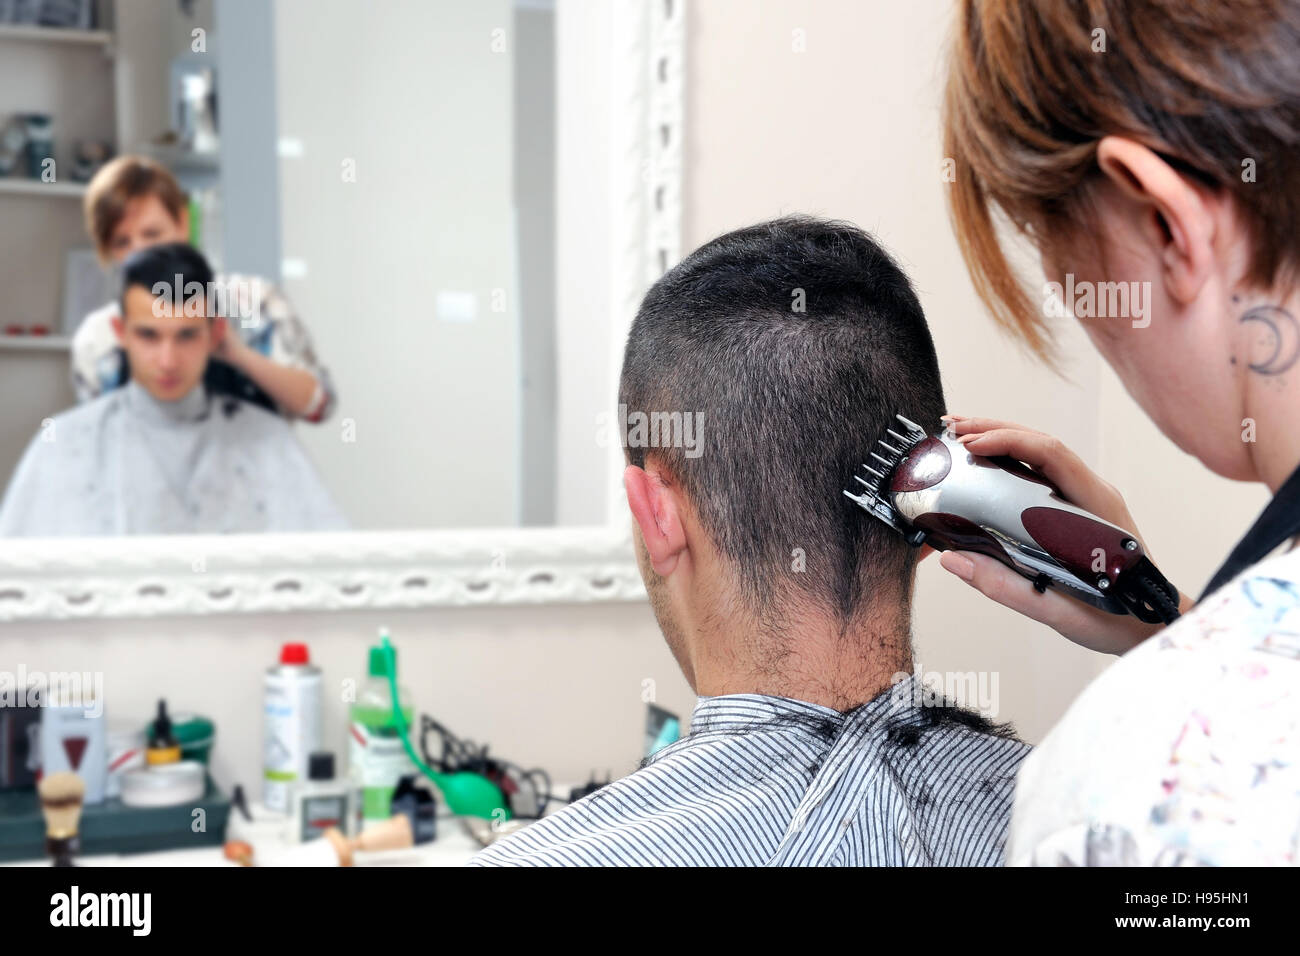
<point>1186,268</point>
<point>1187,254</point>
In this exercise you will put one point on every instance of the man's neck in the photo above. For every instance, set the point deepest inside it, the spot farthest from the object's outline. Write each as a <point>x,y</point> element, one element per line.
<point>187,408</point>
<point>812,660</point>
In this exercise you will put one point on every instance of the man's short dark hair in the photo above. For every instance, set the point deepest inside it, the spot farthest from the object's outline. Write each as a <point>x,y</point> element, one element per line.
<point>168,264</point>
<point>795,342</point>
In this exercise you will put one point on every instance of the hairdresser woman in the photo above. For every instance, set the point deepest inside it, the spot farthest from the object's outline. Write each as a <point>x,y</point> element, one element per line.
<point>265,355</point>
<point>1164,151</point>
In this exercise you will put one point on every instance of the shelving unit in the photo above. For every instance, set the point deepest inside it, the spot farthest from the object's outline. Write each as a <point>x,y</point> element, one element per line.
<point>71,75</point>
<point>180,160</point>
<point>35,343</point>
<point>55,34</point>
<point>34,187</point>
<point>76,77</point>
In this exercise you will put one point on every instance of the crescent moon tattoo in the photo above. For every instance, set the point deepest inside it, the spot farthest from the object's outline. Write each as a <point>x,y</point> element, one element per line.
<point>1285,332</point>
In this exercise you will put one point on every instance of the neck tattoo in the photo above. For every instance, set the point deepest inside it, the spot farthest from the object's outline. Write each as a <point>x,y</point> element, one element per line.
<point>1281,344</point>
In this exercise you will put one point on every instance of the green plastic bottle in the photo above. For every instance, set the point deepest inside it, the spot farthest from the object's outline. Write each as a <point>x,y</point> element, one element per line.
<point>376,758</point>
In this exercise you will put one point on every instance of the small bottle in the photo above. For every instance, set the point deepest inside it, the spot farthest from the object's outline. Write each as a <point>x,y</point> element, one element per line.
<point>163,747</point>
<point>320,801</point>
<point>419,806</point>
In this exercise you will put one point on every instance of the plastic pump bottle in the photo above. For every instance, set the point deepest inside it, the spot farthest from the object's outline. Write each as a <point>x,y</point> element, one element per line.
<point>377,757</point>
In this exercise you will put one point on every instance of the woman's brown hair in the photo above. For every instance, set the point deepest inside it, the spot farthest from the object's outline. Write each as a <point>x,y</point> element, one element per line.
<point>116,184</point>
<point>1212,86</point>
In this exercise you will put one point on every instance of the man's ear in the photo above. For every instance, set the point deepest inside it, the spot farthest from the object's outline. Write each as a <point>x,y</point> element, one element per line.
<point>926,551</point>
<point>1177,222</point>
<point>118,328</point>
<point>655,510</point>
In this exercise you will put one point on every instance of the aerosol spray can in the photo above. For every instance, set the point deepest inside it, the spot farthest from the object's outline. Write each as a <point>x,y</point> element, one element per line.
<point>292,723</point>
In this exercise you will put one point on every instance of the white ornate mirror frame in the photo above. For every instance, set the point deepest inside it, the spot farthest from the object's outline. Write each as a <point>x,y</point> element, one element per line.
<point>631,125</point>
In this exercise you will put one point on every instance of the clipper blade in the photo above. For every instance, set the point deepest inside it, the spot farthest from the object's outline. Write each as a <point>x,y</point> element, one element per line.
<point>886,456</point>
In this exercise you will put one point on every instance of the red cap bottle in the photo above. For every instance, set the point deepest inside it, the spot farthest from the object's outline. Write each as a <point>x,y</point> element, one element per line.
<point>294,654</point>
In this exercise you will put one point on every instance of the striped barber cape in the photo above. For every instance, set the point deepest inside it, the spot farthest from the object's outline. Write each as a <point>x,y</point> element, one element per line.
<point>770,781</point>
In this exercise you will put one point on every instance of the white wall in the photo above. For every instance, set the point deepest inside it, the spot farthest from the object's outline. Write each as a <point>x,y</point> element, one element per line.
<point>412,93</point>
<point>585,297</point>
<point>534,175</point>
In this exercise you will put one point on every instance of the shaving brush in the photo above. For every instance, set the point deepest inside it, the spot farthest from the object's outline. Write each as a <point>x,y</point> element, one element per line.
<point>61,798</point>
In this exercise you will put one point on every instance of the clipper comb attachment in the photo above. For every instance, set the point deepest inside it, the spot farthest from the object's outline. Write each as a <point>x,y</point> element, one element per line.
<point>886,456</point>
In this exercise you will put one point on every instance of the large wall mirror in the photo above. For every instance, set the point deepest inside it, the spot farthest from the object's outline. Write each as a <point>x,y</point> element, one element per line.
<point>449,210</point>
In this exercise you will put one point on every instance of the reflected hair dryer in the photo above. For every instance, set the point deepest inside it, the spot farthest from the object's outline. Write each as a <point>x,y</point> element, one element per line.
<point>933,491</point>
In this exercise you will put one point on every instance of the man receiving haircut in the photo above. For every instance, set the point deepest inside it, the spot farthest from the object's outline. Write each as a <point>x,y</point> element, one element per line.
<point>791,344</point>
<point>163,455</point>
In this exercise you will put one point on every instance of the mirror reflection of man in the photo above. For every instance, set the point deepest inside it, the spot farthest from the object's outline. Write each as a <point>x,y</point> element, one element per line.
<point>267,357</point>
<point>162,455</point>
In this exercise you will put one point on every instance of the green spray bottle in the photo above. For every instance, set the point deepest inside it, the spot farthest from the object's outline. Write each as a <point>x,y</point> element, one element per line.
<point>377,757</point>
<point>466,794</point>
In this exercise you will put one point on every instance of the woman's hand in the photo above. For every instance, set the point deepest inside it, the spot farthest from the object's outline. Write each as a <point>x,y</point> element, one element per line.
<point>295,391</point>
<point>226,343</point>
<point>1085,625</point>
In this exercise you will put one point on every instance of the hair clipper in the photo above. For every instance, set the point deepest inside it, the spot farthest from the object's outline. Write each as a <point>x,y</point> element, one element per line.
<point>933,491</point>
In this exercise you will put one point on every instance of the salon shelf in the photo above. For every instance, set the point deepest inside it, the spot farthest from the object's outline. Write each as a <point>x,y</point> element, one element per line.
<point>34,187</point>
<point>17,31</point>
<point>35,343</point>
<point>177,158</point>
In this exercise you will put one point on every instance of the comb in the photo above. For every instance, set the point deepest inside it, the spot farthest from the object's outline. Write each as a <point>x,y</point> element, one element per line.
<point>888,454</point>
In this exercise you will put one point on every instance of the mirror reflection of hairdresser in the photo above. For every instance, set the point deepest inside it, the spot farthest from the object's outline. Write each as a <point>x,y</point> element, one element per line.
<point>134,202</point>
<point>1154,146</point>
<point>789,614</point>
<point>163,454</point>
